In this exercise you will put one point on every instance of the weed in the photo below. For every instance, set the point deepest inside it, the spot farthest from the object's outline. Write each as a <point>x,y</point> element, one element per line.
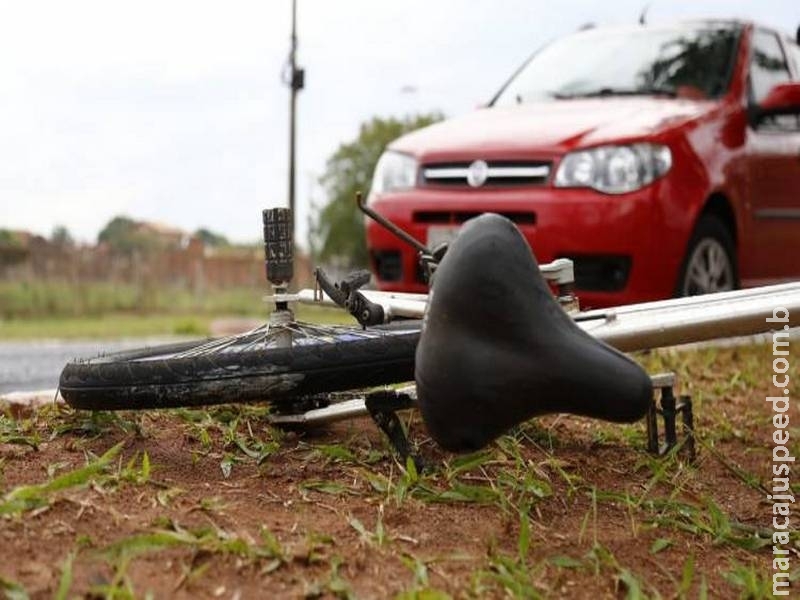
<point>317,545</point>
<point>708,520</point>
<point>565,562</point>
<point>29,497</point>
<point>516,578</point>
<point>418,568</point>
<point>165,496</point>
<point>12,590</point>
<point>328,487</point>
<point>751,582</point>
<point>334,453</point>
<point>633,587</point>
<point>208,540</point>
<point>659,545</point>
<point>65,581</point>
<point>21,432</point>
<point>226,464</point>
<point>687,575</point>
<point>377,537</point>
<point>95,423</point>
<point>334,584</point>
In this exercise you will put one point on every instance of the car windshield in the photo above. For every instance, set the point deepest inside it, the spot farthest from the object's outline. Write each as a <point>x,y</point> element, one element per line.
<point>627,62</point>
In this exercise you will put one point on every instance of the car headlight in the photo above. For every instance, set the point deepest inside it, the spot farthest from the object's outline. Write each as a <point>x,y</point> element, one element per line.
<point>614,169</point>
<point>394,172</point>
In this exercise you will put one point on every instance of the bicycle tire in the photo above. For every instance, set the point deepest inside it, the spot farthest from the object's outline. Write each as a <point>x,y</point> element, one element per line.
<point>154,377</point>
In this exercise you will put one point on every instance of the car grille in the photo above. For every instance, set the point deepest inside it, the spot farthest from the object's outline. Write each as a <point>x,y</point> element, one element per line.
<point>456,217</point>
<point>388,265</point>
<point>499,173</point>
<point>601,273</point>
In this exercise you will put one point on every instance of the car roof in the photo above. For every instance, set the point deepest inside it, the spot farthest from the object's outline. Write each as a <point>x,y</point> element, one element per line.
<point>666,25</point>
<point>693,23</point>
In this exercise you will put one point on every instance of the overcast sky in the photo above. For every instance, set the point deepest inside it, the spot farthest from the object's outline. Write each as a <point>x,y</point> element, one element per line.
<point>175,111</point>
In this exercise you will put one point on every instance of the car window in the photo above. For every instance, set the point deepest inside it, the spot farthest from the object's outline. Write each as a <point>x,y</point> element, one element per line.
<point>794,53</point>
<point>627,61</point>
<point>768,65</point>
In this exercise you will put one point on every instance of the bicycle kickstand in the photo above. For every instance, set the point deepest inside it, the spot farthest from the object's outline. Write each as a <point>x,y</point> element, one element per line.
<point>382,406</point>
<point>669,409</point>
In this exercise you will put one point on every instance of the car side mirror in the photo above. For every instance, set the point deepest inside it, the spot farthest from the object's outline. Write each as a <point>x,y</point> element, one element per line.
<point>783,99</point>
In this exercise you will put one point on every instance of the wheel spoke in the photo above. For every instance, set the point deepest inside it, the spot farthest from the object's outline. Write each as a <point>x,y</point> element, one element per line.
<point>698,278</point>
<point>709,269</point>
<point>717,262</point>
<point>267,336</point>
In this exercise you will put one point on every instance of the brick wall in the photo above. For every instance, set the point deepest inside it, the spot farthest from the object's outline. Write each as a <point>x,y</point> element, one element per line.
<point>193,266</point>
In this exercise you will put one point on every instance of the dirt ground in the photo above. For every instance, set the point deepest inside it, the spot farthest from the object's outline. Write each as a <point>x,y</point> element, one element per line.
<point>218,504</point>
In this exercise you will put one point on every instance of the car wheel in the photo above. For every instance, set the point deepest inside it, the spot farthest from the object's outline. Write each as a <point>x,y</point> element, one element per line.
<point>710,263</point>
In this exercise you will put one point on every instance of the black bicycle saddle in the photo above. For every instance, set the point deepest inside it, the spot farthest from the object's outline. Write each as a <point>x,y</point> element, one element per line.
<point>496,348</point>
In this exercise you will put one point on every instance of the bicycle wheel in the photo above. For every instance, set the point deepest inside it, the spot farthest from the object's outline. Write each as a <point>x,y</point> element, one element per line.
<point>244,368</point>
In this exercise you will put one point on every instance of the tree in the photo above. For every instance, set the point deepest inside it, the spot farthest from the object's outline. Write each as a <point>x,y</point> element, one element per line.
<point>211,239</point>
<point>7,238</point>
<point>118,233</point>
<point>123,234</point>
<point>338,230</point>
<point>60,236</point>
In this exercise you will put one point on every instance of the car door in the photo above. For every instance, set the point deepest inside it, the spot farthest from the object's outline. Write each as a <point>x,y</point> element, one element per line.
<point>773,149</point>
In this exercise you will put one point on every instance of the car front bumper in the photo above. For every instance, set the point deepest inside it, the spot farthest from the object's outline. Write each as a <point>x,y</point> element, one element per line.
<point>621,250</point>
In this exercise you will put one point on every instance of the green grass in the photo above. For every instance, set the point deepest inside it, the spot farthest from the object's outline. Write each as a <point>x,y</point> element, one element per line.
<point>670,508</point>
<point>26,300</point>
<point>28,497</point>
<point>30,310</point>
<point>105,327</point>
<point>116,325</point>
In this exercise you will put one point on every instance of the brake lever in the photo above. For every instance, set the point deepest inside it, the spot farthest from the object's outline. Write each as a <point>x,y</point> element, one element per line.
<point>332,289</point>
<point>346,295</point>
<point>366,312</point>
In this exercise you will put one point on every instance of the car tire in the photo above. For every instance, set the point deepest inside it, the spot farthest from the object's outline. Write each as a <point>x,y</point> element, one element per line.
<point>710,262</point>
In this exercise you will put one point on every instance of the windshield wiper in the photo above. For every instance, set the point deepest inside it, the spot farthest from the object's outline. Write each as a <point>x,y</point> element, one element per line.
<point>608,91</point>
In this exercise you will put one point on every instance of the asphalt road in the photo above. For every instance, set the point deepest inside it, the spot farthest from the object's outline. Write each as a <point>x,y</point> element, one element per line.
<point>28,366</point>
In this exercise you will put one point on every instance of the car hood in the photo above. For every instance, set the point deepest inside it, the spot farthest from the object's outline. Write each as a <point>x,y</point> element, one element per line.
<point>551,127</point>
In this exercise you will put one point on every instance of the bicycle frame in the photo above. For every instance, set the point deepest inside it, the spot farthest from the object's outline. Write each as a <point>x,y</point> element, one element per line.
<point>646,325</point>
<point>628,328</point>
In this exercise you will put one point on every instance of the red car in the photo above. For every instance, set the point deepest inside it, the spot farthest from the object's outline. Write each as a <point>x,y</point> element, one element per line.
<point>664,160</point>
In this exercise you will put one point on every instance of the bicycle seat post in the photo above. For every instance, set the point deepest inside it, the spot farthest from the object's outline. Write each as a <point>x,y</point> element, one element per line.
<point>279,266</point>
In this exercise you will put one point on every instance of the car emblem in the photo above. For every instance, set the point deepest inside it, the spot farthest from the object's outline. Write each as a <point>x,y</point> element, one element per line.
<point>477,173</point>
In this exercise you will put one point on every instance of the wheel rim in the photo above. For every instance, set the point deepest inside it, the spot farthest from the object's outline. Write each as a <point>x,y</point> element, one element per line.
<point>709,269</point>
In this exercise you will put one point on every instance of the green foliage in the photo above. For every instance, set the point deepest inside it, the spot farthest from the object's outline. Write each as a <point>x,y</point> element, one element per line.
<point>751,581</point>
<point>65,581</point>
<point>125,235</point>
<point>37,299</point>
<point>209,238</point>
<point>9,238</point>
<point>338,231</point>
<point>116,231</point>
<point>12,590</point>
<point>28,497</point>
<point>61,236</point>
<point>27,300</point>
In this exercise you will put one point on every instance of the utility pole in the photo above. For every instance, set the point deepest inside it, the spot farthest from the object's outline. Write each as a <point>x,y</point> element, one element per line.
<point>296,82</point>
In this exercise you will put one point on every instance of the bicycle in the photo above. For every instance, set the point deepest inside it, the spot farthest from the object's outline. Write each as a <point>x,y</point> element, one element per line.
<point>491,309</point>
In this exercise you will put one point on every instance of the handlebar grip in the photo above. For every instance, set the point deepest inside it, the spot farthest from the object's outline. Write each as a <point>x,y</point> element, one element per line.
<point>278,245</point>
